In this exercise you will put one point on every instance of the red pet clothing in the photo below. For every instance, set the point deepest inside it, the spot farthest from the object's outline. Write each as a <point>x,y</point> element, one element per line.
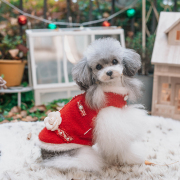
<point>78,121</point>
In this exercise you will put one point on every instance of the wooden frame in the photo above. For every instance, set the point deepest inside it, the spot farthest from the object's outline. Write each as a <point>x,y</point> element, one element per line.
<point>178,35</point>
<point>177,98</point>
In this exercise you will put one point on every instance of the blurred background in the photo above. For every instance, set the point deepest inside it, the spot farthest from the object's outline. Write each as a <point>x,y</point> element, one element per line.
<point>137,18</point>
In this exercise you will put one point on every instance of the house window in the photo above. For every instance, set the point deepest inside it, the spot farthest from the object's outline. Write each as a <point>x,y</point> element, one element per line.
<point>178,35</point>
<point>177,99</point>
<point>178,103</point>
<point>166,92</point>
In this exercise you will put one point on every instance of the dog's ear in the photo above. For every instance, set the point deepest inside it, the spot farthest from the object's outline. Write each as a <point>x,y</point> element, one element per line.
<point>131,62</point>
<point>82,74</point>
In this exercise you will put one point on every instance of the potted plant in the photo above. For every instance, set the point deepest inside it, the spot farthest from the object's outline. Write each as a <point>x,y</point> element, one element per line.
<point>145,74</point>
<point>12,59</point>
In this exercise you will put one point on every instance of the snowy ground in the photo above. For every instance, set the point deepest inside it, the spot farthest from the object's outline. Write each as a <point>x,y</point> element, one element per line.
<point>20,158</point>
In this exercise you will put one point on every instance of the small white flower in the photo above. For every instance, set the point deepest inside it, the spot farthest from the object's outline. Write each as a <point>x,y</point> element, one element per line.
<point>53,120</point>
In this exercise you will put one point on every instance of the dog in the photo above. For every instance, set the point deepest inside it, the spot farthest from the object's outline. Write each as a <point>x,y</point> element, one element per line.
<point>98,128</point>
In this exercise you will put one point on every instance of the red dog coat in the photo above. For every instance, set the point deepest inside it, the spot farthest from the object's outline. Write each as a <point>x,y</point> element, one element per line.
<point>78,121</point>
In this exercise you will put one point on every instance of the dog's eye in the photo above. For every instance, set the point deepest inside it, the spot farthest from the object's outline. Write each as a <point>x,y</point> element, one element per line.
<point>114,61</point>
<point>98,67</point>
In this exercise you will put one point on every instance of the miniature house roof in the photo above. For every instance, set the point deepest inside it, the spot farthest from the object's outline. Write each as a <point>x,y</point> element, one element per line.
<point>173,25</point>
<point>164,53</point>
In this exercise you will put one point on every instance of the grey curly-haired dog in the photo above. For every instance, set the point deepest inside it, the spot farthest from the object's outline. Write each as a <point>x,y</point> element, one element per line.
<point>118,132</point>
<point>102,66</point>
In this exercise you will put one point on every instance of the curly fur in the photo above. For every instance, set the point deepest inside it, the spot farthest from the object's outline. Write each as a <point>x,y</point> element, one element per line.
<point>103,51</point>
<point>106,67</point>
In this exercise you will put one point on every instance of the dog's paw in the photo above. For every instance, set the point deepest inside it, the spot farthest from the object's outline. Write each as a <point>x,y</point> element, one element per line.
<point>53,120</point>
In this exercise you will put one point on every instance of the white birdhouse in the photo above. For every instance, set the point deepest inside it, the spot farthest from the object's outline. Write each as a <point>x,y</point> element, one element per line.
<point>166,59</point>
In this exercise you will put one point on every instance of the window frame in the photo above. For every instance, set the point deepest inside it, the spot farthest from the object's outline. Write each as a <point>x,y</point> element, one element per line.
<point>178,35</point>
<point>169,88</point>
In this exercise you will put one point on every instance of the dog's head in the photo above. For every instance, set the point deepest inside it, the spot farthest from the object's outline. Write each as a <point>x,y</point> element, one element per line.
<point>105,61</point>
<point>102,66</point>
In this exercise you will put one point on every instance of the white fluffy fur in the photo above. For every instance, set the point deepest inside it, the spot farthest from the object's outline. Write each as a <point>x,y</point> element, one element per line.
<point>20,158</point>
<point>57,147</point>
<point>118,134</point>
<point>117,131</point>
<point>132,96</point>
<point>115,87</point>
<point>99,96</point>
<point>86,159</point>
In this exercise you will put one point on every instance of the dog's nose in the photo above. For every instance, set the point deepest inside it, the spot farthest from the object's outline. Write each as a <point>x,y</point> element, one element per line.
<point>109,73</point>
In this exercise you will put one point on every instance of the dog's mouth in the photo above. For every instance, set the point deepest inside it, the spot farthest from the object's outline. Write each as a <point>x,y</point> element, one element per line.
<point>111,78</point>
<point>106,78</point>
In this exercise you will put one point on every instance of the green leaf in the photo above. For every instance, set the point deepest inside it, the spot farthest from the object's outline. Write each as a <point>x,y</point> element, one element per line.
<point>5,113</point>
<point>24,84</point>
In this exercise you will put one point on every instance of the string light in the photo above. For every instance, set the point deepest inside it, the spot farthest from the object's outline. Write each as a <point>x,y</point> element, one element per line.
<point>66,23</point>
<point>131,12</point>
<point>106,24</point>
<point>52,26</point>
<point>22,20</point>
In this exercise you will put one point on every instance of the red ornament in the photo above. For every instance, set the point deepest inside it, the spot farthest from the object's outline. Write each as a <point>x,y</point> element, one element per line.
<point>106,24</point>
<point>22,20</point>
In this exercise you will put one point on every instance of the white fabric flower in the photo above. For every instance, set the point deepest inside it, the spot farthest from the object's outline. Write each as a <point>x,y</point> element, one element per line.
<point>53,120</point>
